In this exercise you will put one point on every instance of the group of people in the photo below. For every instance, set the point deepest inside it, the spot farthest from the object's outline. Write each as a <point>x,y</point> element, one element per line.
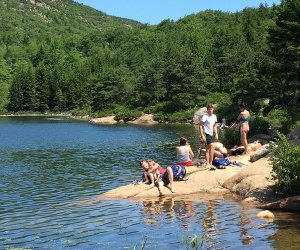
<point>154,174</point>
<point>208,131</point>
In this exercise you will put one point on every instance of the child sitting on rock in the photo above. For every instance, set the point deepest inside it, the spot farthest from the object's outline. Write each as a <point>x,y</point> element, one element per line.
<point>152,171</point>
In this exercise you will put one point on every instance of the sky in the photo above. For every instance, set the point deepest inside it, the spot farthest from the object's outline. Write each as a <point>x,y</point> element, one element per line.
<point>154,11</point>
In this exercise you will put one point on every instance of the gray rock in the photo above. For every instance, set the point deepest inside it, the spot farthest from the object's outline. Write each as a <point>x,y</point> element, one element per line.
<point>198,114</point>
<point>294,134</point>
<point>261,136</point>
<point>291,204</point>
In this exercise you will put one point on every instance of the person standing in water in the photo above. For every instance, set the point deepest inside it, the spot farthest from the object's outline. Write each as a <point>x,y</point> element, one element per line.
<point>208,128</point>
<point>244,118</point>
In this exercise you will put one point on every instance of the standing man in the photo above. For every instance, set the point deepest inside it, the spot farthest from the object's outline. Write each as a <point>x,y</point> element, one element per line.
<point>207,128</point>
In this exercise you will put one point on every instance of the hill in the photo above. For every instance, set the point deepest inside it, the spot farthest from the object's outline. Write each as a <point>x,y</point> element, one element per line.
<point>55,17</point>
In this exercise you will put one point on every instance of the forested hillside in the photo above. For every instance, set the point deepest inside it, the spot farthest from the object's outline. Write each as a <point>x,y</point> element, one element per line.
<point>63,56</point>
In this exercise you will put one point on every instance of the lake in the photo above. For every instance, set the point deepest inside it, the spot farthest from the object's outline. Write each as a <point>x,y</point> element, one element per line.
<point>49,165</point>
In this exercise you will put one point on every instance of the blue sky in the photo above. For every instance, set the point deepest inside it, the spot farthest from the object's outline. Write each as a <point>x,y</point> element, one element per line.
<point>154,11</point>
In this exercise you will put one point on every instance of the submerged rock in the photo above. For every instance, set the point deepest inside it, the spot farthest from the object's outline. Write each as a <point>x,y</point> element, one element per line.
<point>265,214</point>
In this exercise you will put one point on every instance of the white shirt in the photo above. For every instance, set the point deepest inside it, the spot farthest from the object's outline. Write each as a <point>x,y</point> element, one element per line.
<point>208,123</point>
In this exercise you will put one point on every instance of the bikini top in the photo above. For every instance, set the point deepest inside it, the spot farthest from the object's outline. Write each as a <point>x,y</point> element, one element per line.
<point>246,119</point>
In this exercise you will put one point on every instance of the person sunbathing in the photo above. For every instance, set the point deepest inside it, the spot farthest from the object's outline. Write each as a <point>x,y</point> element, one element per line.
<point>238,150</point>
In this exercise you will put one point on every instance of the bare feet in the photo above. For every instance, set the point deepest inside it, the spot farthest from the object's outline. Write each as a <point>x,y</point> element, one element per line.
<point>173,190</point>
<point>151,185</point>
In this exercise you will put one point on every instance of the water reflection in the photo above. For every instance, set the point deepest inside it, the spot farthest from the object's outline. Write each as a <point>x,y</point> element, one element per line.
<point>47,166</point>
<point>218,224</point>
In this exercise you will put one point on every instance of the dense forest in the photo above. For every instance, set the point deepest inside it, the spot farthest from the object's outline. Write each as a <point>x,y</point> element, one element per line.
<point>59,56</point>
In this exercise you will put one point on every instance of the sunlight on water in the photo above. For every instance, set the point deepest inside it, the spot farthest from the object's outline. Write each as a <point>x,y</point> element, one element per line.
<point>50,167</point>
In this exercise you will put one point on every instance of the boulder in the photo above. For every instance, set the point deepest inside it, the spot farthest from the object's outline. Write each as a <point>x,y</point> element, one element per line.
<point>265,214</point>
<point>260,137</point>
<point>253,180</point>
<point>259,154</point>
<point>273,133</point>
<point>289,204</point>
<point>294,134</point>
<point>198,114</point>
<point>144,119</point>
<point>104,120</point>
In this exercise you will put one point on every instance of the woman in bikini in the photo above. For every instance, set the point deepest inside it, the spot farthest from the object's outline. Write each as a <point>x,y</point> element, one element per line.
<point>244,118</point>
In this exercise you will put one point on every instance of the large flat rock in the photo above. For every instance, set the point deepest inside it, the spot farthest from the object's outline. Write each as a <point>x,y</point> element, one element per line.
<point>200,180</point>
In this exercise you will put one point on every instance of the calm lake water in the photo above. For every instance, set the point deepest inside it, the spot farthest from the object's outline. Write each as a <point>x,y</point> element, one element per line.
<point>49,165</point>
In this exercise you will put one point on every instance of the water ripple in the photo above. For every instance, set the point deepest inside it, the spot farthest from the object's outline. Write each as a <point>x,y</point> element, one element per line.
<point>48,165</point>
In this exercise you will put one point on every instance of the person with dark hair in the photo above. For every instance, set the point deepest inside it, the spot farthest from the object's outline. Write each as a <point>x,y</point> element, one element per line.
<point>208,128</point>
<point>244,118</point>
<point>184,153</point>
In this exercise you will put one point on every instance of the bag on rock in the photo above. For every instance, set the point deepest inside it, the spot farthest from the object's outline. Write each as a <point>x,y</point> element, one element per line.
<point>221,162</point>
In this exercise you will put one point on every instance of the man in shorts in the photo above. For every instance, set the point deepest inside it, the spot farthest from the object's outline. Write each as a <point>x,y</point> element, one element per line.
<point>208,128</point>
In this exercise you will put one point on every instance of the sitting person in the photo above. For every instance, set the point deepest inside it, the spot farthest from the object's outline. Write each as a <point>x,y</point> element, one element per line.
<point>184,153</point>
<point>176,172</point>
<point>152,171</point>
<point>218,150</point>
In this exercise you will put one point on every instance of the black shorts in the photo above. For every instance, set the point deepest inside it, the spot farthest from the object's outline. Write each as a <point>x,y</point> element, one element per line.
<point>209,139</point>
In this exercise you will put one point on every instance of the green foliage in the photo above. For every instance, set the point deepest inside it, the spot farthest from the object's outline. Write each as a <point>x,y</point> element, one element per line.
<point>125,114</point>
<point>284,119</point>
<point>278,117</point>
<point>221,100</point>
<point>160,117</point>
<point>103,113</point>
<point>74,62</point>
<point>259,125</point>
<point>230,137</point>
<point>180,116</point>
<point>286,170</point>
<point>260,104</point>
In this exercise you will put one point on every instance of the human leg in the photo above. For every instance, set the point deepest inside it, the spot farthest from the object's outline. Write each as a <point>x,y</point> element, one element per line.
<point>160,187</point>
<point>209,141</point>
<point>244,131</point>
<point>171,179</point>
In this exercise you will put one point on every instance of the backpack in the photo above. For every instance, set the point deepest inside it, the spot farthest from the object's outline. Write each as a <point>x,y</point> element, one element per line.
<point>221,162</point>
<point>178,172</point>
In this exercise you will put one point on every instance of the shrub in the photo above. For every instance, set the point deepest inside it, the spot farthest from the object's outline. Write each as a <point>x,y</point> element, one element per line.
<point>181,116</point>
<point>160,117</point>
<point>123,113</point>
<point>259,125</point>
<point>286,167</point>
<point>221,99</point>
<point>156,108</point>
<point>260,104</point>
<point>230,137</point>
<point>106,112</point>
<point>278,117</point>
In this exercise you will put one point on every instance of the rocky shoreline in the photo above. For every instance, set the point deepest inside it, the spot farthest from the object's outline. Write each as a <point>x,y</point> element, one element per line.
<point>251,184</point>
